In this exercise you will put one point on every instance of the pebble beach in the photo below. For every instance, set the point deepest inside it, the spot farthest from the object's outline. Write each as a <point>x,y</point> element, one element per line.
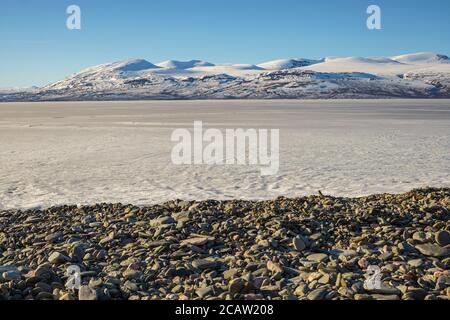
<point>309,248</point>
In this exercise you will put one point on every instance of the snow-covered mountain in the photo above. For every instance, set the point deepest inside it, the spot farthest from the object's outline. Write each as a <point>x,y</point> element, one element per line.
<point>418,75</point>
<point>421,58</point>
<point>18,89</point>
<point>288,64</point>
<point>183,65</point>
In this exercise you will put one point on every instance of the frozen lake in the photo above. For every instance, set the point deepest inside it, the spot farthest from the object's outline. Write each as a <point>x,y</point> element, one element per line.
<point>89,152</point>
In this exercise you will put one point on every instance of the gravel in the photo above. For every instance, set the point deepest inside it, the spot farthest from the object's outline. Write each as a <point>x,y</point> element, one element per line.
<point>308,248</point>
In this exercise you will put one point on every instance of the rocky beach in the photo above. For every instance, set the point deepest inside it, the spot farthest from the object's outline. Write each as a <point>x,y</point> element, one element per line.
<point>309,248</point>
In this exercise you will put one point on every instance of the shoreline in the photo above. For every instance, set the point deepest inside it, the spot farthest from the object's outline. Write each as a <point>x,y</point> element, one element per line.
<point>249,201</point>
<point>308,248</point>
<point>268,100</point>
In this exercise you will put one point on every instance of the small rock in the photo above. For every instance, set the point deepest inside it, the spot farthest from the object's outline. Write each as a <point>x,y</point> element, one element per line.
<point>385,297</point>
<point>442,282</point>
<point>58,258</point>
<point>275,267</point>
<point>416,263</point>
<point>325,279</point>
<point>11,275</point>
<point>318,257</point>
<point>416,294</point>
<point>385,289</point>
<point>405,247</point>
<point>443,238</point>
<point>230,274</point>
<point>299,243</point>
<point>66,297</point>
<point>204,291</point>
<point>162,221</point>
<point>86,293</point>
<point>45,296</point>
<point>236,286</point>
<point>131,274</point>
<point>301,290</point>
<point>53,236</point>
<point>94,283</point>
<point>204,264</point>
<point>420,236</point>
<point>318,294</point>
<point>78,251</point>
<point>110,237</point>
<point>133,287</point>
<point>195,241</point>
<point>432,250</point>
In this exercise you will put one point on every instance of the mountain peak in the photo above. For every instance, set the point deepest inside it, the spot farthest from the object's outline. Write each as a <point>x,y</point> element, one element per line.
<point>422,57</point>
<point>175,64</point>
<point>132,65</point>
<point>282,64</point>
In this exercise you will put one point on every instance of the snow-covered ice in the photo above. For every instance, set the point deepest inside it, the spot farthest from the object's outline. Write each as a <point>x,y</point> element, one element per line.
<point>89,152</point>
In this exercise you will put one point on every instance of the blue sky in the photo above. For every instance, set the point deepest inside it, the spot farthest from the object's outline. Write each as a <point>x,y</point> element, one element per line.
<point>36,47</point>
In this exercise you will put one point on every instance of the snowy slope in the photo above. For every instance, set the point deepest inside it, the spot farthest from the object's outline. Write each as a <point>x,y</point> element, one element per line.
<point>382,65</point>
<point>282,64</point>
<point>422,58</point>
<point>420,75</point>
<point>10,90</point>
<point>133,65</point>
<point>358,64</point>
<point>174,64</point>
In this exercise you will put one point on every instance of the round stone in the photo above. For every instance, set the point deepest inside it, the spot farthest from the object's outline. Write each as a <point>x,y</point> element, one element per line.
<point>318,294</point>
<point>236,286</point>
<point>432,250</point>
<point>318,257</point>
<point>416,263</point>
<point>299,244</point>
<point>11,275</point>
<point>86,293</point>
<point>443,238</point>
<point>57,258</point>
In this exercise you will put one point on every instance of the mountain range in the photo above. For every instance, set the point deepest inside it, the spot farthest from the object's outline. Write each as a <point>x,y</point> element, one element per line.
<point>418,75</point>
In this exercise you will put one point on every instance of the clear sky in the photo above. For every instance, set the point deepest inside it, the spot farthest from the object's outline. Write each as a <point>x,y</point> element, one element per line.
<point>36,48</point>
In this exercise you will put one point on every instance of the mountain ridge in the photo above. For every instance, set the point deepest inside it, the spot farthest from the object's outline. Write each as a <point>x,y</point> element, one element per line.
<point>417,75</point>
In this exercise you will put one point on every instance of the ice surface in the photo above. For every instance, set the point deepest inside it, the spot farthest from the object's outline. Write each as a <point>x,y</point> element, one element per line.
<point>89,152</point>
